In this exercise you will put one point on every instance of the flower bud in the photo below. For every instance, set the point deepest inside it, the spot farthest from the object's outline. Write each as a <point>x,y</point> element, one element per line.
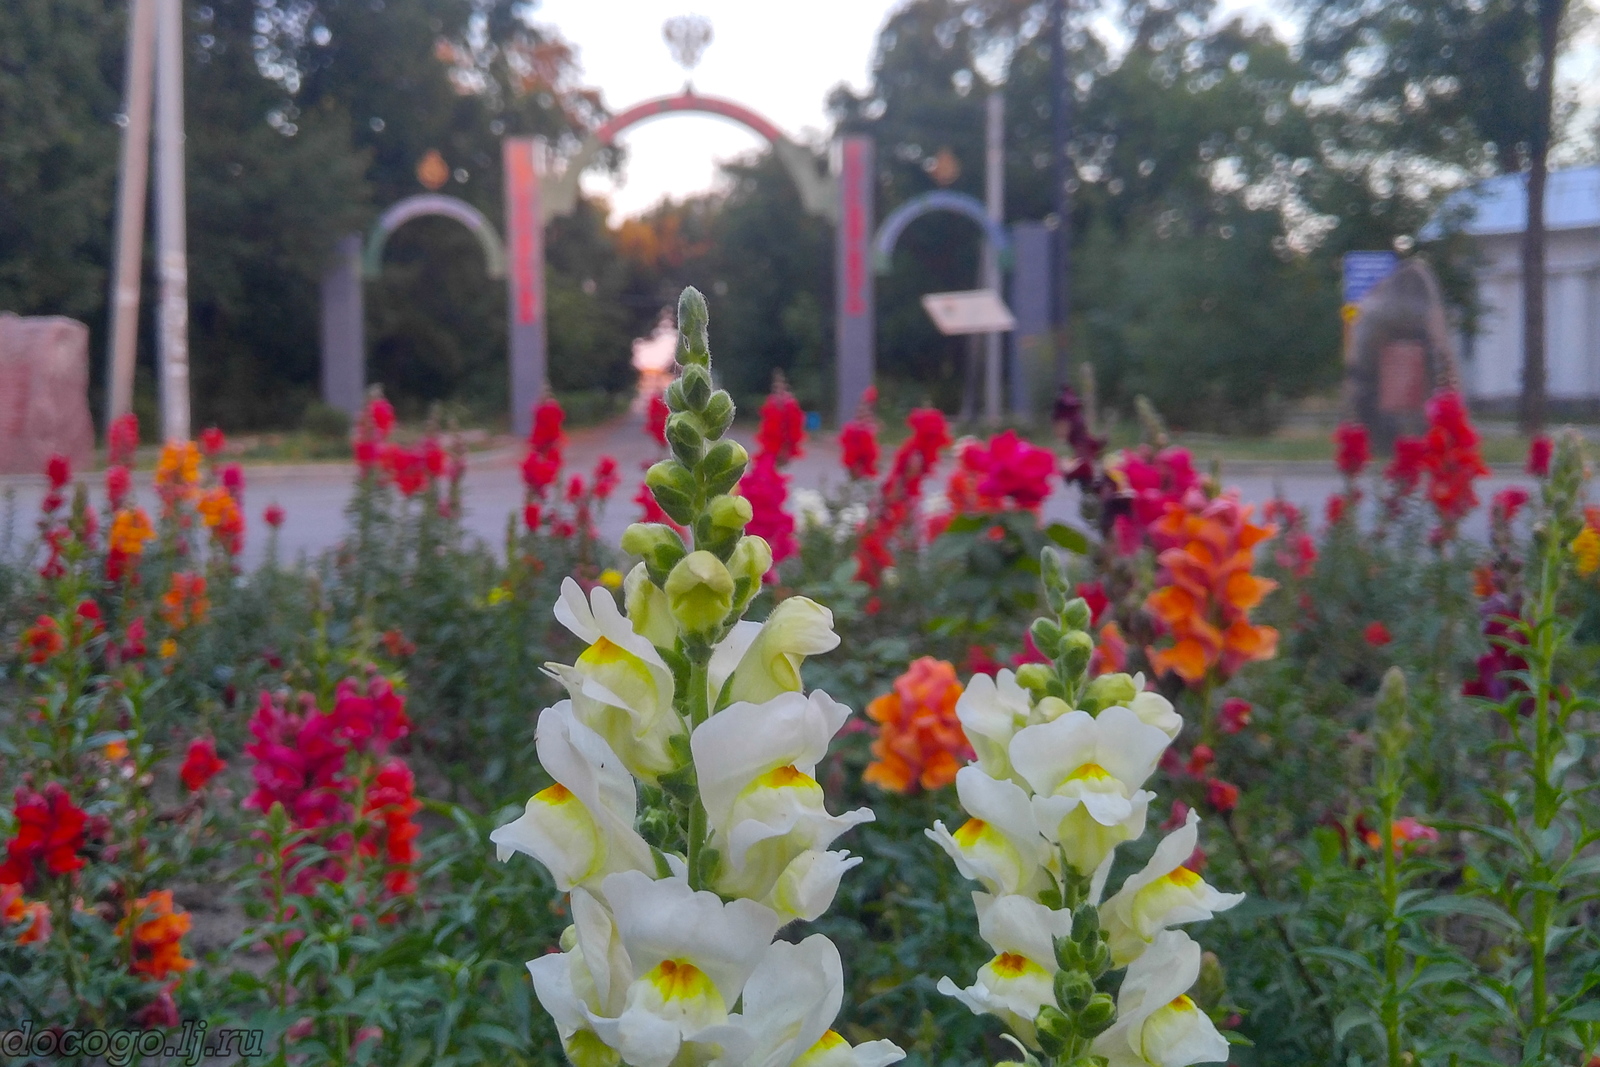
<point>1212,985</point>
<point>1076,648</point>
<point>1076,615</point>
<point>1068,958</point>
<point>718,415</point>
<point>749,563</point>
<point>683,434</point>
<point>700,592</point>
<point>1055,1030</point>
<point>730,512</point>
<point>647,608</point>
<point>696,381</point>
<point>692,320</point>
<point>1097,1015</point>
<point>1085,923</point>
<point>674,489</point>
<point>674,397</point>
<point>1108,691</point>
<point>723,466</point>
<point>1053,571</point>
<point>1034,677</point>
<point>1046,637</point>
<point>1073,990</point>
<point>649,538</point>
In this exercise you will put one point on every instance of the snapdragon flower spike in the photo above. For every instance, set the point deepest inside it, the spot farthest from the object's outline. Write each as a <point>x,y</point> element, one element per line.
<point>671,957</point>
<point>1057,784</point>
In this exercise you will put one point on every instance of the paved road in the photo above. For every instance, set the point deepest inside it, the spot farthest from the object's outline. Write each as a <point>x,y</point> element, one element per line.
<point>314,495</point>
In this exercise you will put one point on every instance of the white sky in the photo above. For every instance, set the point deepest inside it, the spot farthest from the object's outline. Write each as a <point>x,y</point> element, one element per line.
<point>780,60</point>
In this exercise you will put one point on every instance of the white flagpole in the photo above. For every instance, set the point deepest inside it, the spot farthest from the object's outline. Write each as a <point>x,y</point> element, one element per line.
<point>171,250</point>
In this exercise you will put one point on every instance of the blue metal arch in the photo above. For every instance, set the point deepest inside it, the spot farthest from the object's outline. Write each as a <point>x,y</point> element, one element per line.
<point>415,207</point>
<point>937,200</point>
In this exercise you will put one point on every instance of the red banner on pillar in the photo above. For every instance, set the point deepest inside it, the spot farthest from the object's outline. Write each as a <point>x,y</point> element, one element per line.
<point>853,177</point>
<point>522,229</point>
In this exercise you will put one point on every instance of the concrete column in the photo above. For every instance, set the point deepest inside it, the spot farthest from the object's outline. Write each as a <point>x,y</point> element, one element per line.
<point>854,357</point>
<point>344,344</point>
<point>994,186</point>
<point>526,338</point>
<point>133,178</point>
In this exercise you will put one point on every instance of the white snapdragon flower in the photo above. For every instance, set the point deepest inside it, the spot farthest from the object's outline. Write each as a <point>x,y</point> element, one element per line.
<point>590,977</point>
<point>755,764</point>
<point>1018,981</point>
<point>620,686</point>
<point>581,828</point>
<point>991,711</point>
<point>1164,894</point>
<point>999,845</point>
<point>789,1004</point>
<point>689,956</point>
<point>759,661</point>
<point>1157,1024</point>
<point>1086,771</point>
<point>1155,710</point>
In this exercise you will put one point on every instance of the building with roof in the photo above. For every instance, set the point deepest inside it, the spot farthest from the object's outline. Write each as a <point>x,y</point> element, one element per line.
<point>1493,215</point>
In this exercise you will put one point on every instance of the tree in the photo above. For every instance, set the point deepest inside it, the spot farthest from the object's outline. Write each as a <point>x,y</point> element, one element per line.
<point>1466,84</point>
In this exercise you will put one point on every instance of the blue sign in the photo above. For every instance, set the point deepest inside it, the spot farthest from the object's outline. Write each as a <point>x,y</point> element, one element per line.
<point>1363,270</point>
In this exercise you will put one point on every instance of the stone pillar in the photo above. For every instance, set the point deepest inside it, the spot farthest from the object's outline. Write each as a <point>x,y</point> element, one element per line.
<point>344,345</point>
<point>1402,352</point>
<point>1030,304</point>
<point>854,314</point>
<point>526,337</point>
<point>44,393</point>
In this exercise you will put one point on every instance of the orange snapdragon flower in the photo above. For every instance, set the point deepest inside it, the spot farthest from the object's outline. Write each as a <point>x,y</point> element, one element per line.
<point>157,936</point>
<point>920,742</point>
<point>185,603</point>
<point>1210,591</point>
<point>14,909</point>
<point>130,531</point>
<point>178,469</point>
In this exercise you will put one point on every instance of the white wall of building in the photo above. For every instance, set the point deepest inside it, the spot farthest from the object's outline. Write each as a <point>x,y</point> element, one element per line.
<point>1492,360</point>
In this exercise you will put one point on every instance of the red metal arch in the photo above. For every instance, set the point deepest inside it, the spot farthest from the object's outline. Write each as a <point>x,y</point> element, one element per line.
<point>687,101</point>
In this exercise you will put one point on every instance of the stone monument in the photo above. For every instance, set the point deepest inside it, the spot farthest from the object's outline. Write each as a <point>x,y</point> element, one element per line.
<point>44,392</point>
<point>1400,352</point>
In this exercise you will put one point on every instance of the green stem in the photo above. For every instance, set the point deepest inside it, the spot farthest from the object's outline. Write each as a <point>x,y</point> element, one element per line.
<point>1392,953</point>
<point>697,711</point>
<point>1542,667</point>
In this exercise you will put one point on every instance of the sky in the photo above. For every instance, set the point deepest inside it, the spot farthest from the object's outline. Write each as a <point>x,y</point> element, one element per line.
<point>780,60</point>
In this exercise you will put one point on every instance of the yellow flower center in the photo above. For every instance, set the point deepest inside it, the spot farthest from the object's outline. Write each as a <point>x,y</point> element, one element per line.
<point>1012,965</point>
<point>602,652</point>
<point>1183,878</point>
<point>681,980</point>
<point>1090,772</point>
<point>971,833</point>
<point>787,777</point>
<point>555,795</point>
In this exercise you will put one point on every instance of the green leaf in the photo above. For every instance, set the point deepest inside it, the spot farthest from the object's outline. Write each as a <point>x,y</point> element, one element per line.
<point>1478,907</point>
<point>1070,538</point>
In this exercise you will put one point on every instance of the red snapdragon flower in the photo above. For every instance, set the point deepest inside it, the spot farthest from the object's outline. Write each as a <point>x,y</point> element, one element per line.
<point>655,418</point>
<point>43,641</point>
<point>547,420</point>
<point>767,489</point>
<point>858,450</point>
<point>51,830</point>
<point>1507,502</point>
<point>122,439</point>
<point>1222,796</point>
<point>200,764</point>
<point>1376,634</point>
<point>1354,449</point>
<point>1234,715</point>
<point>1539,451</point>
<point>58,469</point>
<point>211,440</point>
<point>273,516</point>
<point>1016,471</point>
<point>391,804</point>
<point>782,433</point>
<point>118,483</point>
<point>381,414</point>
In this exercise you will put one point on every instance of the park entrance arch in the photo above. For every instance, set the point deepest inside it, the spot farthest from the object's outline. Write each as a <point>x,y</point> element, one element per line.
<point>538,190</point>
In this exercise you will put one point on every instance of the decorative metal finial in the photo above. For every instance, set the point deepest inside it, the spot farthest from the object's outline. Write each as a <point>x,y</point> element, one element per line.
<point>687,37</point>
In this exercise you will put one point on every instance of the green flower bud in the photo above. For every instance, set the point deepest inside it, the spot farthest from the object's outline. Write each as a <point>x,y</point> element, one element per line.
<point>700,592</point>
<point>1076,648</point>
<point>1053,571</point>
<point>1085,923</point>
<point>674,489</point>
<point>730,512</point>
<point>646,604</point>
<point>1108,691</point>
<point>1073,990</point>
<point>674,396</point>
<point>1076,615</point>
<point>723,466</point>
<point>657,544</point>
<point>1046,637</point>
<point>718,415</point>
<point>1055,1030</point>
<point>1097,1015</point>
<point>683,434</point>
<point>749,563</point>
<point>1100,962</point>
<point>692,320</point>
<point>1068,958</point>
<point>1212,985</point>
<point>696,381</point>
<point>1034,677</point>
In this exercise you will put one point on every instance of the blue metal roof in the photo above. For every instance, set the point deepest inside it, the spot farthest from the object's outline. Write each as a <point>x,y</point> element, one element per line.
<point>1500,205</point>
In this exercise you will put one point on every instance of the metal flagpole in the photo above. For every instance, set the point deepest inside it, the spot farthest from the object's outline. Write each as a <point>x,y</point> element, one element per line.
<point>133,176</point>
<point>994,188</point>
<point>171,252</point>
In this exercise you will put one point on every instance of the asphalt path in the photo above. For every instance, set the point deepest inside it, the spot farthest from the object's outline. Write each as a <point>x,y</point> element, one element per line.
<point>314,496</point>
